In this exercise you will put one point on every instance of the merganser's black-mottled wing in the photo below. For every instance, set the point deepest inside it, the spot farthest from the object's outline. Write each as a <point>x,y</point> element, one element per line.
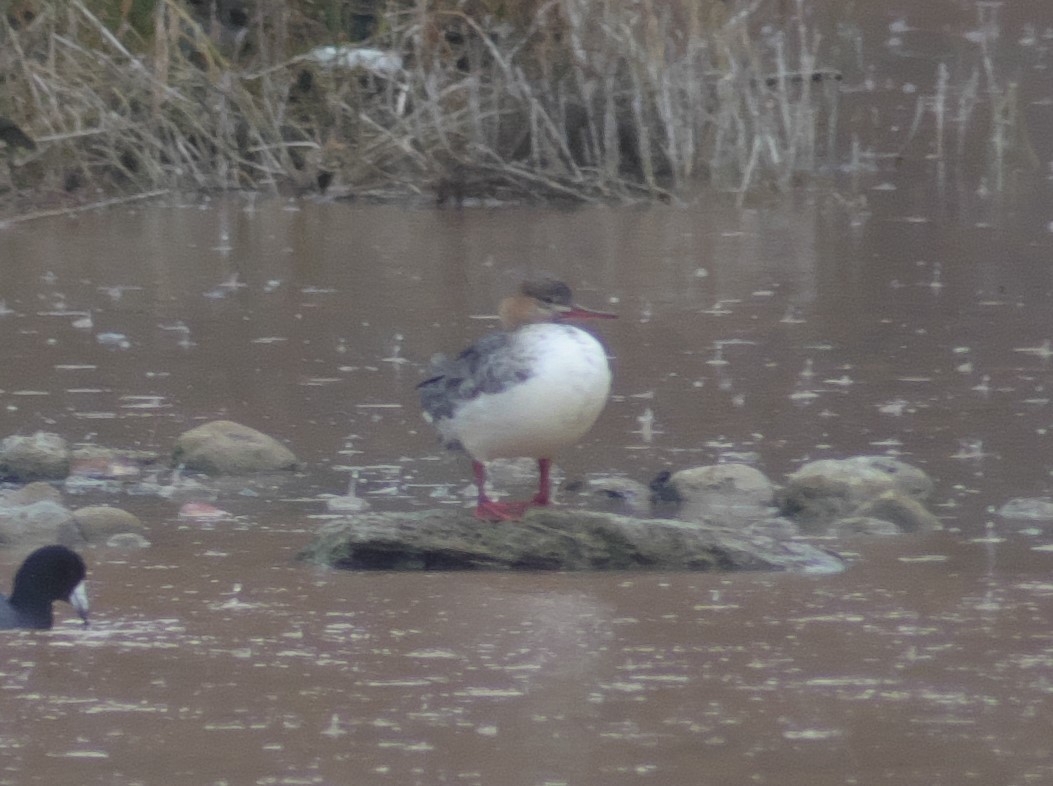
<point>490,365</point>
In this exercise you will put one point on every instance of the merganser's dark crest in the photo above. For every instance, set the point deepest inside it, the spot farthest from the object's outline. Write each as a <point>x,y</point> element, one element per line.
<point>526,391</point>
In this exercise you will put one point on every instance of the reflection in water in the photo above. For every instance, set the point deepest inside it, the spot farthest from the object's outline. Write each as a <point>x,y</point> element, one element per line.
<point>907,316</point>
<point>888,672</point>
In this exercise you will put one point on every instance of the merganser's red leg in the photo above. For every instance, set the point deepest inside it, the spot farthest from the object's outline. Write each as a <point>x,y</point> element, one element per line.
<point>489,510</point>
<point>544,483</point>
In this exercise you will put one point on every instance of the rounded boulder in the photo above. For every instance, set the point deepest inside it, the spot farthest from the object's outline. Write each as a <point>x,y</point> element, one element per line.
<point>223,447</point>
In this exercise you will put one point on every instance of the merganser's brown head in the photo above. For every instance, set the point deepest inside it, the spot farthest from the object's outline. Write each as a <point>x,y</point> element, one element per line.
<point>544,300</point>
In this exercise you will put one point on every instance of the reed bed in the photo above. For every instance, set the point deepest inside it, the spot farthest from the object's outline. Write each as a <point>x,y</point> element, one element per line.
<point>560,99</point>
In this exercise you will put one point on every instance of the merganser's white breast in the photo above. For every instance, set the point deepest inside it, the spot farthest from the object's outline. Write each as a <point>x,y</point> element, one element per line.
<point>522,393</point>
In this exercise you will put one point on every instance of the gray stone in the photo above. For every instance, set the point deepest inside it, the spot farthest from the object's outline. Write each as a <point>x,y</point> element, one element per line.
<point>615,494</point>
<point>127,540</point>
<point>40,522</point>
<point>1027,509</point>
<point>223,447</point>
<point>33,492</point>
<point>552,539</point>
<point>97,523</point>
<point>906,513</point>
<point>40,456</point>
<point>729,492</point>
<point>863,525</point>
<point>96,461</point>
<point>823,491</point>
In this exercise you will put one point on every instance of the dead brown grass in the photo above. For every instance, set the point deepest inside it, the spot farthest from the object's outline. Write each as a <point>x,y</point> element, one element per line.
<point>574,99</point>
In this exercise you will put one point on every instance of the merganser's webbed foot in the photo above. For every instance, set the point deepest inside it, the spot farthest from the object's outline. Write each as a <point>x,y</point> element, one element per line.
<point>488,510</point>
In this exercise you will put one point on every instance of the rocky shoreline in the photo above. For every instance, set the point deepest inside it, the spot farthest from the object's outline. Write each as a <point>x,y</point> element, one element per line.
<point>720,517</point>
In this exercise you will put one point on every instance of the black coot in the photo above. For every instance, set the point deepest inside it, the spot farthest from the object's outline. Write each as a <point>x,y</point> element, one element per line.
<point>48,574</point>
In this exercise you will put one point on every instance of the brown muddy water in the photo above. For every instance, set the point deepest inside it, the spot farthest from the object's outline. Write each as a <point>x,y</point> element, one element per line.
<point>774,334</point>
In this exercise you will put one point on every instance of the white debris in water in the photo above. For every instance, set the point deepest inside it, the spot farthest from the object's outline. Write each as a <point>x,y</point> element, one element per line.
<point>116,340</point>
<point>144,402</point>
<point>1043,350</point>
<point>812,734</point>
<point>647,429</point>
<point>225,287</point>
<point>400,683</point>
<point>334,729</point>
<point>488,693</point>
<point>896,407</point>
<point>381,62</point>
<point>970,449</point>
<point>346,504</point>
<point>440,654</point>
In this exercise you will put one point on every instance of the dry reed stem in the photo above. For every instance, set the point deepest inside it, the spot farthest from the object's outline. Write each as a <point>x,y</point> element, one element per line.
<point>580,99</point>
<point>68,211</point>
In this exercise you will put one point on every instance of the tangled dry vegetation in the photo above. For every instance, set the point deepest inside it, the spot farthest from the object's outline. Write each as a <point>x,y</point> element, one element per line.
<point>577,99</point>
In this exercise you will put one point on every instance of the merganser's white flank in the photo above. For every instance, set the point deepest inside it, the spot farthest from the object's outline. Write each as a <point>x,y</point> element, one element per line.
<point>526,391</point>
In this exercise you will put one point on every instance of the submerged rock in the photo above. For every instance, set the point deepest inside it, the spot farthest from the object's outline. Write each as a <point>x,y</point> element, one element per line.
<point>904,512</point>
<point>863,525</point>
<point>552,539</point>
<point>36,491</point>
<point>98,523</point>
<point>46,520</point>
<point>820,493</point>
<point>223,447</point>
<point>41,456</point>
<point>38,523</point>
<point>730,492</point>
<point>127,540</point>
<point>615,494</point>
<point>96,461</point>
<point>1027,509</point>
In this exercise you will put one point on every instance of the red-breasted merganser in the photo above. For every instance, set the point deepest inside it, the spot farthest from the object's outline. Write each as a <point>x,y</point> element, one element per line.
<point>526,391</point>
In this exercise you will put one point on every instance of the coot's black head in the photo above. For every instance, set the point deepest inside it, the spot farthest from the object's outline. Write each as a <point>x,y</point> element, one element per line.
<point>48,574</point>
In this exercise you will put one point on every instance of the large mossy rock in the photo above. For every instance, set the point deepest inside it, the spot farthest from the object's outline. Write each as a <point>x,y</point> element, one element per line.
<point>822,492</point>
<point>40,456</point>
<point>552,539</point>
<point>223,447</point>
<point>98,523</point>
